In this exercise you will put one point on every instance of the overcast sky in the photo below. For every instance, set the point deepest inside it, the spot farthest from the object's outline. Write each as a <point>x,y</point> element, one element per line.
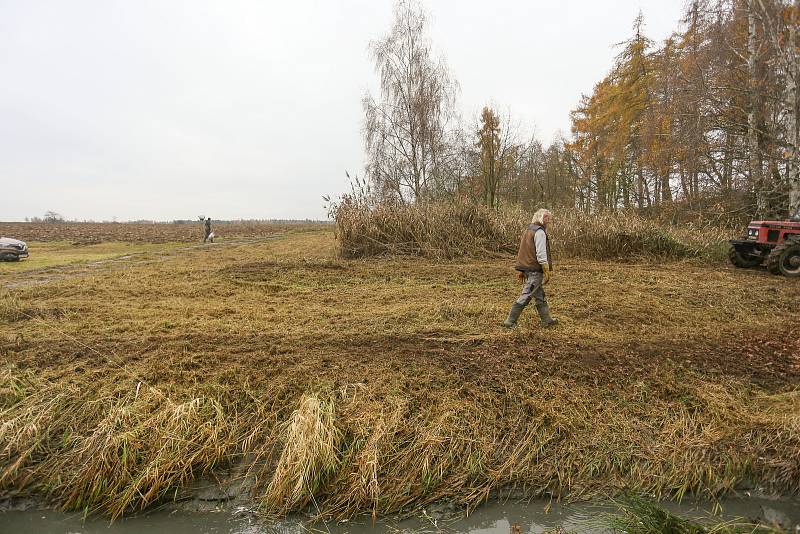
<point>162,109</point>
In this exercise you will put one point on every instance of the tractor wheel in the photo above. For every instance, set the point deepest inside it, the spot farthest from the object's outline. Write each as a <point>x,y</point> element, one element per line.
<point>785,259</point>
<point>741,261</point>
<point>774,259</point>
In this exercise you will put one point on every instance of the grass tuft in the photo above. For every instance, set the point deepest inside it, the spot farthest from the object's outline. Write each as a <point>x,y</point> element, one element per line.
<point>310,455</point>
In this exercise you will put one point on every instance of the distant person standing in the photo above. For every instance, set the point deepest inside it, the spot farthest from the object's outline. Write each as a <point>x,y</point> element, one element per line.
<point>207,230</point>
<point>535,265</point>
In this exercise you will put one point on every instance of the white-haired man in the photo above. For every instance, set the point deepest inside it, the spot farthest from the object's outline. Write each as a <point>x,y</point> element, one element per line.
<point>535,265</point>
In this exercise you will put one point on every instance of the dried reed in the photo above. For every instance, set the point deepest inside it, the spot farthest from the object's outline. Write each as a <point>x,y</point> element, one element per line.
<point>458,229</point>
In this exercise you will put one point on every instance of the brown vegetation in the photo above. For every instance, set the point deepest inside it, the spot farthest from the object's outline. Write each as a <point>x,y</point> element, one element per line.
<point>457,229</point>
<point>380,385</point>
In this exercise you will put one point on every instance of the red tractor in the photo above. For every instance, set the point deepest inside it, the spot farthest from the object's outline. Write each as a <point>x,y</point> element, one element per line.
<point>777,242</point>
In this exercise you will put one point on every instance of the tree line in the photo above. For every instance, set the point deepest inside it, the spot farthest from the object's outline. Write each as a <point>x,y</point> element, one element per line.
<point>710,115</point>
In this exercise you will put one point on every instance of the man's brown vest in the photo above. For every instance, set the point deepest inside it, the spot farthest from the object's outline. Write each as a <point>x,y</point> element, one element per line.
<point>526,257</point>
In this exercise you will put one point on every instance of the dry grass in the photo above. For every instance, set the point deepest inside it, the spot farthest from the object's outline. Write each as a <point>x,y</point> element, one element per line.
<point>104,451</point>
<point>54,254</point>
<point>380,385</point>
<point>456,230</point>
<point>310,455</point>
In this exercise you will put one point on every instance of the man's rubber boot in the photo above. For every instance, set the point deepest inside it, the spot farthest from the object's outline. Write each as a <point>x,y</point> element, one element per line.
<point>513,315</point>
<point>544,316</point>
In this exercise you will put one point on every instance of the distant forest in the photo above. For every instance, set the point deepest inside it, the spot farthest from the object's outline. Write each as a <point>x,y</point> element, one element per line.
<point>704,122</point>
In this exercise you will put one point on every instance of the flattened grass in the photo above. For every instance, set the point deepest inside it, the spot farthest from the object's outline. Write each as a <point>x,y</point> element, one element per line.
<point>379,385</point>
<point>57,253</point>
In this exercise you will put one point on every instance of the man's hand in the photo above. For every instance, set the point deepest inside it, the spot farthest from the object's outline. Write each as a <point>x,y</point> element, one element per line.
<point>520,276</point>
<point>545,273</point>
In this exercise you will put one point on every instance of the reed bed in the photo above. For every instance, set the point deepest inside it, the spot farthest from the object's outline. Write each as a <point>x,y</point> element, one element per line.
<point>446,231</point>
<point>105,454</point>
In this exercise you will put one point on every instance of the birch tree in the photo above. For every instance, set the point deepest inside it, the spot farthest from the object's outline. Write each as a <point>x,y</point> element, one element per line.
<point>782,31</point>
<point>406,126</point>
<point>792,65</point>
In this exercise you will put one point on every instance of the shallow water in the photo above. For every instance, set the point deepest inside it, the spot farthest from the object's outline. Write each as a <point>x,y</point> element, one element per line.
<point>492,518</point>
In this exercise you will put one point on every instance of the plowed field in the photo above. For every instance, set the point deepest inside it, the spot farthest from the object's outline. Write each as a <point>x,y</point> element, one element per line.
<point>86,233</point>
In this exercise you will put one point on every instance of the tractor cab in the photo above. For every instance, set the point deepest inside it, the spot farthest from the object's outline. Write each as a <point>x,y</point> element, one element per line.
<point>772,232</point>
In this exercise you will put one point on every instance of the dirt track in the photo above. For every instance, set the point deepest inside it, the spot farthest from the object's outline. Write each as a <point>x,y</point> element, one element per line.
<point>46,275</point>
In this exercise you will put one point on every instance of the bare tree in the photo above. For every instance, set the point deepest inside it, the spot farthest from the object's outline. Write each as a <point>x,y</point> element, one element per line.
<point>406,128</point>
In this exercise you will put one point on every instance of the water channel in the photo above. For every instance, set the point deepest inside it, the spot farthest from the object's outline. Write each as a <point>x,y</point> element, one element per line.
<point>492,518</point>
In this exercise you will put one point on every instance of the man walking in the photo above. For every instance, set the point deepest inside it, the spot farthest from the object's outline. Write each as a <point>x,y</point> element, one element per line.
<point>535,265</point>
<point>207,230</point>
